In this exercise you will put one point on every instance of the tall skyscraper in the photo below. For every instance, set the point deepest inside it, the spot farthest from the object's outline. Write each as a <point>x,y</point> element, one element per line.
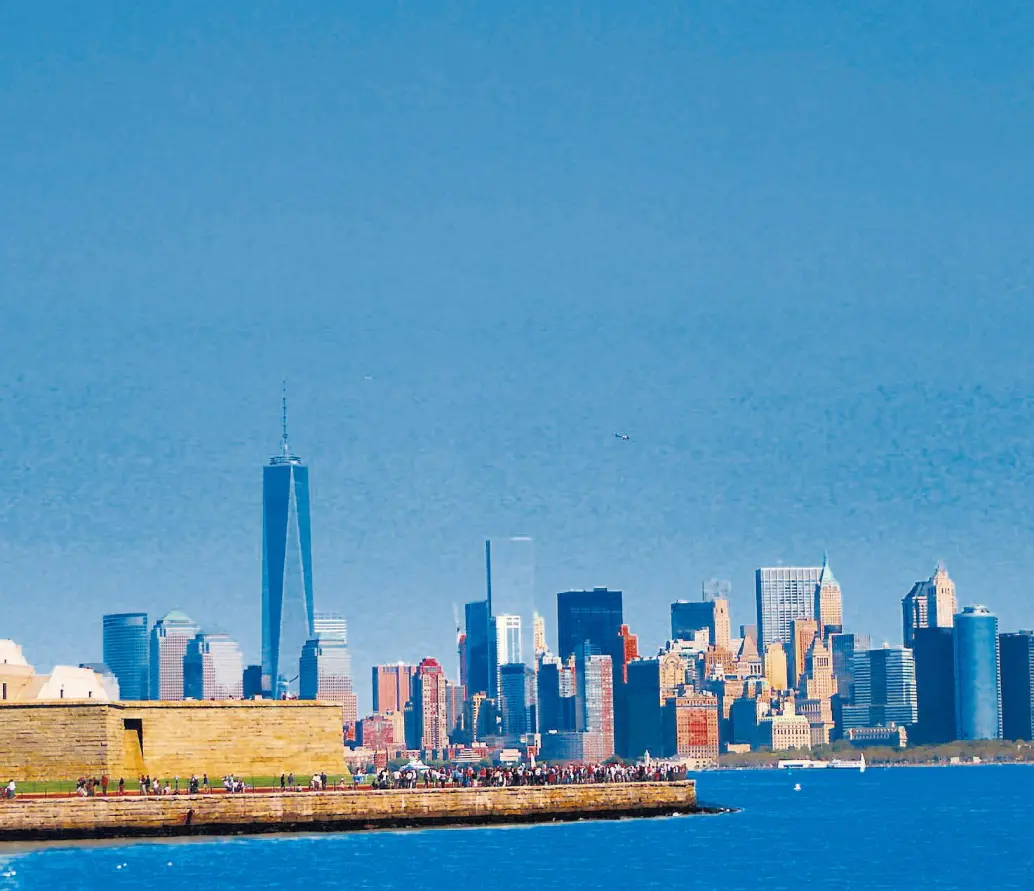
<point>510,572</point>
<point>429,706</point>
<point>776,670</point>
<point>934,650</point>
<point>802,633</point>
<point>978,688</point>
<point>252,681</point>
<point>630,649</point>
<point>550,713</point>
<point>507,639</point>
<point>1016,654</point>
<point>477,620</point>
<point>930,604</point>
<point>325,673</point>
<point>169,638</point>
<point>819,682</point>
<point>594,616</point>
<point>691,727</point>
<point>843,646</point>
<point>884,689</point>
<point>594,706</point>
<point>539,634</point>
<point>829,609</point>
<point>392,687</point>
<point>643,698</point>
<point>514,707</point>
<point>213,668</point>
<point>287,605</point>
<point>327,625</point>
<point>126,646</point>
<point>784,593</point>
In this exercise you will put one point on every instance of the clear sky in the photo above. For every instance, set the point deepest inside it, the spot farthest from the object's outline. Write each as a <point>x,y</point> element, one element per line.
<point>786,247</point>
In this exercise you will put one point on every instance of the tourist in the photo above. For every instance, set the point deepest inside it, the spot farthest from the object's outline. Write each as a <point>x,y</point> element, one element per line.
<point>323,781</point>
<point>204,783</point>
<point>9,791</point>
<point>121,786</point>
<point>104,784</point>
<point>283,782</point>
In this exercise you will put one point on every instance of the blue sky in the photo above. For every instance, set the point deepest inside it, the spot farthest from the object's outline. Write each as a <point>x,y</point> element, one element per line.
<point>787,249</point>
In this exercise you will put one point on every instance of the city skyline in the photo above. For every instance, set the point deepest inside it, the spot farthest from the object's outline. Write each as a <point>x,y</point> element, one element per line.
<point>783,252</point>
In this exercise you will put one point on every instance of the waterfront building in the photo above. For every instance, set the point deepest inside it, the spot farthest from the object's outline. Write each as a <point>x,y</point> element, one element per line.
<point>884,687</point>
<point>978,688</point>
<point>784,593</point>
<point>829,609</point>
<point>287,604</point>
<point>392,687</point>
<point>934,650</point>
<point>325,673</point>
<point>594,705</point>
<point>802,633</point>
<point>476,622</point>
<point>929,604</point>
<point>691,728</point>
<point>213,668</point>
<point>252,681</point>
<point>643,702</point>
<point>776,666</point>
<point>429,711</point>
<point>785,731</point>
<point>169,638</point>
<point>891,736</point>
<point>126,647</point>
<point>1016,653</point>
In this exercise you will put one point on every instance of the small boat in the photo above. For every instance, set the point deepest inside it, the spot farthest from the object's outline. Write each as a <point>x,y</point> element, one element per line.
<point>797,787</point>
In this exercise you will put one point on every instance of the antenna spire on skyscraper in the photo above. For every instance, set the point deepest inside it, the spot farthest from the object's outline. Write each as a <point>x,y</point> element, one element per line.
<point>285,449</point>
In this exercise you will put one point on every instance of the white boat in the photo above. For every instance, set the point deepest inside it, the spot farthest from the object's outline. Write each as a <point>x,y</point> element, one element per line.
<point>858,765</point>
<point>802,764</point>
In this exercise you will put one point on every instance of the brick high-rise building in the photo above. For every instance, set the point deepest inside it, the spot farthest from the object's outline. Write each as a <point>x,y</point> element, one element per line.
<point>430,705</point>
<point>375,732</point>
<point>802,633</point>
<point>594,699</point>
<point>691,727</point>
<point>392,687</point>
<point>630,648</point>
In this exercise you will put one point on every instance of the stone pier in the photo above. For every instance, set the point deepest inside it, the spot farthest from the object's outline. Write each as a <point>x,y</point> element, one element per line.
<point>259,812</point>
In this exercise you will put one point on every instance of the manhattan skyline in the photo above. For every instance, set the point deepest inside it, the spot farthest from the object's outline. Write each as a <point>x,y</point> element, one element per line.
<point>799,283</point>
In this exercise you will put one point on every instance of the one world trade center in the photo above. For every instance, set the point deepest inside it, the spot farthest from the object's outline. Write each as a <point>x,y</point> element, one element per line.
<point>287,610</point>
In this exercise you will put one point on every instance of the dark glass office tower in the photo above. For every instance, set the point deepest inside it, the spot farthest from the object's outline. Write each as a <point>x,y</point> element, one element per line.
<point>476,619</point>
<point>287,607</point>
<point>688,616</point>
<point>934,650</point>
<point>1017,657</point>
<point>643,698</point>
<point>594,616</point>
<point>126,653</point>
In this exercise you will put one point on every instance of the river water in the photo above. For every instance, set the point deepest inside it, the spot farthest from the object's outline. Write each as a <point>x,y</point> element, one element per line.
<point>892,828</point>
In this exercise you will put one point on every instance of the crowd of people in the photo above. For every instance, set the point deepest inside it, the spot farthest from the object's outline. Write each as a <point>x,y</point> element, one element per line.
<point>412,777</point>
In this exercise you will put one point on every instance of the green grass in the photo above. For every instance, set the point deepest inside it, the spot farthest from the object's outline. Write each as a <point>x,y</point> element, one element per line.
<point>65,787</point>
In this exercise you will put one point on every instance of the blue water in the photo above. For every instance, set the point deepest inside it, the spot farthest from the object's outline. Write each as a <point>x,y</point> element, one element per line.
<point>946,828</point>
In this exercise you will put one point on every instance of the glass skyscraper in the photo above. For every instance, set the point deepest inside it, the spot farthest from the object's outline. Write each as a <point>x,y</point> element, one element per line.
<point>934,650</point>
<point>784,593</point>
<point>476,620</point>
<point>978,688</point>
<point>1017,661</point>
<point>594,616</point>
<point>213,668</point>
<point>884,689</point>
<point>126,653</point>
<point>287,607</point>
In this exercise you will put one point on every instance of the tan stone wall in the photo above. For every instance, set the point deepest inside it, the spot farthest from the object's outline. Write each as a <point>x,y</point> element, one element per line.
<point>64,740</point>
<point>262,812</point>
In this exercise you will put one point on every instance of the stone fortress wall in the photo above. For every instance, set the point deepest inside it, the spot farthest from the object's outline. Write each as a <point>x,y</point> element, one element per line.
<point>65,740</point>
